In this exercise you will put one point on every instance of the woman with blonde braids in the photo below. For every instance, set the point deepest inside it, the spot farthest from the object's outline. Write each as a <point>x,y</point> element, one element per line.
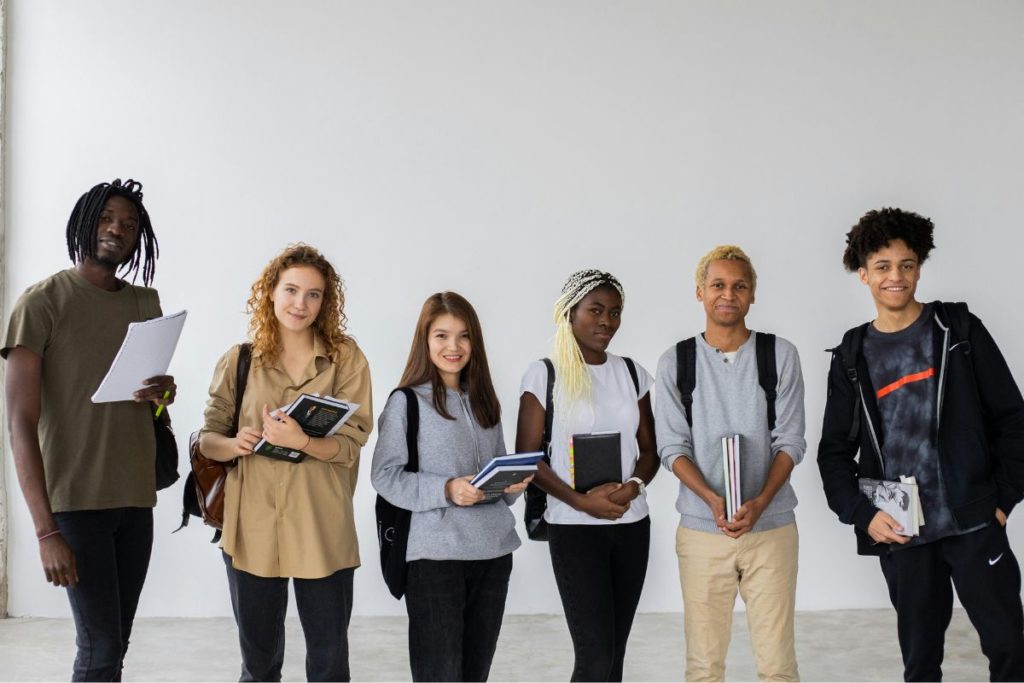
<point>282,519</point>
<point>599,539</point>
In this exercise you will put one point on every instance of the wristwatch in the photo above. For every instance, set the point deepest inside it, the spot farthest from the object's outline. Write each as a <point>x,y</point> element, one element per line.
<point>640,485</point>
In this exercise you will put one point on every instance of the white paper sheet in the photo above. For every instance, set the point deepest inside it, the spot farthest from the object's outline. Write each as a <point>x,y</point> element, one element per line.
<point>146,352</point>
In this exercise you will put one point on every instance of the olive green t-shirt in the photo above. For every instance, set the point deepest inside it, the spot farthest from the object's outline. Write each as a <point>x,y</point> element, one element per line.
<point>95,455</point>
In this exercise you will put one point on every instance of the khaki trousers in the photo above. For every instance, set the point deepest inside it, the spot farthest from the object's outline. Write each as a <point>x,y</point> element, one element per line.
<point>763,567</point>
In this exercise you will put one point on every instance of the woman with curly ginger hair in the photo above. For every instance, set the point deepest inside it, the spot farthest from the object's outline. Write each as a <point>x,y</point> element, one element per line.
<point>291,519</point>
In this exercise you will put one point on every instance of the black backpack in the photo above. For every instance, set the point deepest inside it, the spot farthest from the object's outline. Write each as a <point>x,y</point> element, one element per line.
<point>536,497</point>
<point>767,375</point>
<point>392,521</point>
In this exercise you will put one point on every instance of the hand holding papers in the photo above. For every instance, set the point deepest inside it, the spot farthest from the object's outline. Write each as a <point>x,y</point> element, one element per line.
<point>146,352</point>
<point>899,499</point>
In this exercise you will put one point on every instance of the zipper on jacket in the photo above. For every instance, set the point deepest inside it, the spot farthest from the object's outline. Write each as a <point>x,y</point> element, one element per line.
<point>871,430</point>
<point>942,376</point>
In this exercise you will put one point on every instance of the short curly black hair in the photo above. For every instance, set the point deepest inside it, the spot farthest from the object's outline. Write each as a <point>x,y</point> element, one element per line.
<point>877,228</point>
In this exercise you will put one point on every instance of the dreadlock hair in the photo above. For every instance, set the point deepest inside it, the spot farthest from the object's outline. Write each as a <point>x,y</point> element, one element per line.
<point>724,252</point>
<point>876,229</point>
<point>264,328</point>
<point>475,378</point>
<point>573,381</point>
<point>85,217</point>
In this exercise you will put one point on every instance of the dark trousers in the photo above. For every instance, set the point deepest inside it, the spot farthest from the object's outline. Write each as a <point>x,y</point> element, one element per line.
<point>455,609</point>
<point>600,571</point>
<point>260,604</point>
<point>111,550</point>
<point>987,579</point>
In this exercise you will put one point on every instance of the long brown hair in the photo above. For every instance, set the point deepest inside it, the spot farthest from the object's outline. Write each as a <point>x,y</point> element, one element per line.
<point>263,325</point>
<point>475,378</point>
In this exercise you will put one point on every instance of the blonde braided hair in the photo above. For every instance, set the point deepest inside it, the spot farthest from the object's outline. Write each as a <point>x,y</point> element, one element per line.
<point>573,378</point>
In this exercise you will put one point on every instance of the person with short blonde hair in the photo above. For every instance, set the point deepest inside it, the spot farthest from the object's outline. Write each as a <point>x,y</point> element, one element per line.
<point>726,382</point>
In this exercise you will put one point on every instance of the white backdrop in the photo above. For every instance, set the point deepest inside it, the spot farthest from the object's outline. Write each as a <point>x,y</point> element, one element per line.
<point>493,148</point>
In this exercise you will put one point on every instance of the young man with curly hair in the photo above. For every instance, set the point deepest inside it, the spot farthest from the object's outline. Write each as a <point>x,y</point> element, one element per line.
<point>923,391</point>
<point>724,382</point>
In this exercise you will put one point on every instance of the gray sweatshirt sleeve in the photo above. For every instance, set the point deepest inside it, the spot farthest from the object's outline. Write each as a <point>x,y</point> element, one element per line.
<point>788,435</point>
<point>673,433</point>
<point>415,491</point>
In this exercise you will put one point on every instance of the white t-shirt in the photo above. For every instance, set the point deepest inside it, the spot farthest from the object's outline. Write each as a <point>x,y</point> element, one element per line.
<point>613,408</point>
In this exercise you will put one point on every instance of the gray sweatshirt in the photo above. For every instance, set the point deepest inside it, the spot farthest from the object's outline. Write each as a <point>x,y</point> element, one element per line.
<point>440,529</point>
<point>728,400</point>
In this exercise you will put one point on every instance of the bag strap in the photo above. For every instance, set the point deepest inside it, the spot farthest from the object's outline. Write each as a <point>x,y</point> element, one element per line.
<point>412,428</point>
<point>631,366</point>
<point>848,350</point>
<point>958,318</point>
<point>767,374</point>
<point>241,379</point>
<point>686,374</point>
<point>549,404</point>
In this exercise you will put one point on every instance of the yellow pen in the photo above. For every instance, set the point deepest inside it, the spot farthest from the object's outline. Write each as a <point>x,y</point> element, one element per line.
<point>160,408</point>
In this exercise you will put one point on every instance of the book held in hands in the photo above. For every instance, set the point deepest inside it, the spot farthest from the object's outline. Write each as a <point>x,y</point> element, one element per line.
<point>733,480</point>
<point>901,500</point>
<point>503,471</point>
<point>595,459</point>
<point>319,417</point>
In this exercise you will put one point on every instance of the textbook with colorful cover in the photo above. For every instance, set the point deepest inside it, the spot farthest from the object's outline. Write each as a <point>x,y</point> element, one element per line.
<point>504,471</point>
<point>319,417</point>
<point>595,459</point>
<point>900,499</point>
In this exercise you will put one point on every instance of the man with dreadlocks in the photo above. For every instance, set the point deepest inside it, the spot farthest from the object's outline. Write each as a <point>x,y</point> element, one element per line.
<point>923,391</point>
<point>87,470</point>
<point>727,382</point>
<point>599,538</point>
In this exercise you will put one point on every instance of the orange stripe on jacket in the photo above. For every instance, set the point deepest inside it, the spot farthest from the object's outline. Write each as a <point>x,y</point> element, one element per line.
<point>902,381</point>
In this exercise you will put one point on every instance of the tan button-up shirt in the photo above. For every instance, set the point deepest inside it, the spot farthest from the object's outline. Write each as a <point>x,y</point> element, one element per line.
<point>283,518</point>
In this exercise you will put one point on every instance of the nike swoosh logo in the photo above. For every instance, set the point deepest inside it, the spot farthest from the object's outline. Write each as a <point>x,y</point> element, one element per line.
<point>993,561</point>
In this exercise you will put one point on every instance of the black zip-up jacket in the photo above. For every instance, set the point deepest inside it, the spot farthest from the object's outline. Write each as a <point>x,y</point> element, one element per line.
<point>979,428</point>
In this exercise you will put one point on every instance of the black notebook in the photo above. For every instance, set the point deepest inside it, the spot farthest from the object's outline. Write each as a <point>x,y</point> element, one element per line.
<point>319,417</point>
<point>595,459</point>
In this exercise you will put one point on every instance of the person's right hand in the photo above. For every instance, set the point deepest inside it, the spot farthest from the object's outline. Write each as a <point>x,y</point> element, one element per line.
<point>597,504</point>
<point>245,441</point>
<point>461,492</point>
<point>58,561</point>
<point>883,529</point>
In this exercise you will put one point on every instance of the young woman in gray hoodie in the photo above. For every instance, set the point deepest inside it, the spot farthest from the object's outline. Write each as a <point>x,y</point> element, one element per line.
<point>460,551</point>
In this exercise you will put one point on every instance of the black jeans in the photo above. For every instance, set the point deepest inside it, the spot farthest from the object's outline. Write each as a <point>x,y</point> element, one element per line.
<point>455,609</point>
<point>987,579</point>
<point>600,571</point>
<point>112,549</point>
<point>325,608</point>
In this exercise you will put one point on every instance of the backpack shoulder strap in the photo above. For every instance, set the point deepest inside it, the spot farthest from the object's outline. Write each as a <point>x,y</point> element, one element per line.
<point>686,374</point>
<point>241,379</point>
<point>767,373</point>
<point>549,403</point>
<point>412,428</point>
<point>848,351</point>
<point>631,366</point>
<point>958,317</point>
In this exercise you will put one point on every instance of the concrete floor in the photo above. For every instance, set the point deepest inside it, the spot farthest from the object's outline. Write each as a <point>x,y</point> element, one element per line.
<point>532,648</point>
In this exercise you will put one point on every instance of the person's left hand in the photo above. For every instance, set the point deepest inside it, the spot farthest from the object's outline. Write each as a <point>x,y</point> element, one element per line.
<point>745,518</point>
<point>154,390</point>
<point>1000,517</point>
<point>626,494</point>
<point>520,487</point>
<point>281,430</point>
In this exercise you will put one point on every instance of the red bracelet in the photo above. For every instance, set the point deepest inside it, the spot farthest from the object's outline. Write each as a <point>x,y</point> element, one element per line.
<point>47,535</point>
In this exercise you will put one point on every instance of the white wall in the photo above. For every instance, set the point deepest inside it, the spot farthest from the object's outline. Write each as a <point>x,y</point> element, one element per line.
<point>492,148</point>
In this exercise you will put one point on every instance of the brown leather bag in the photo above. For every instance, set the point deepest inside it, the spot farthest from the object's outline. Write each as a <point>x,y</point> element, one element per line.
<point>204,489</point>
